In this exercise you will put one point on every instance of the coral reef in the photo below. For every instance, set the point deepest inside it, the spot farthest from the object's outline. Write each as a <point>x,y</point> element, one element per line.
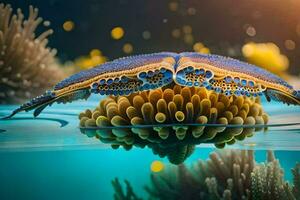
<point>27,65</point>
<point>267,181</point>
<point>229,174</point>
<point>172,121</point>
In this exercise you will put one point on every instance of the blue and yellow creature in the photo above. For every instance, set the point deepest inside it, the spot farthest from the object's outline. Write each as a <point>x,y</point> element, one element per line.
<point>151,71</point>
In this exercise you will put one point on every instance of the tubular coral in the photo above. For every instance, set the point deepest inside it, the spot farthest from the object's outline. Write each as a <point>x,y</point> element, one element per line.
<point>180,105</point>
<point>186,112</point>
<point>27,65</point>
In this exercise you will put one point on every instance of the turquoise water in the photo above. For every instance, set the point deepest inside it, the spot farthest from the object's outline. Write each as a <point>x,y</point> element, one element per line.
<point>49,158</point>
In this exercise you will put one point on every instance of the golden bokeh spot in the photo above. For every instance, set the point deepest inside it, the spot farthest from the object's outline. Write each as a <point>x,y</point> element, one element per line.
<point>127,48</point>
<point>204,50</point>
<point>187,29</point>
<point>68,26</point>
<point>157,166</point>
<point>95,52</point>
<point>188,39</point>
<point>198,46</point>
<point>173,6</point>
<point>290,44</point>
<point>266,55</point>
<point>94,58</point>
<point>176,33</point>
<point>117,33</point>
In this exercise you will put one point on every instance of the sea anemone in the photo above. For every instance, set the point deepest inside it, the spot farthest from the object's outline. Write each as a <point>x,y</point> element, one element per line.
<point>27,65</point>
<point>172,121</point>
<point>227,174</point>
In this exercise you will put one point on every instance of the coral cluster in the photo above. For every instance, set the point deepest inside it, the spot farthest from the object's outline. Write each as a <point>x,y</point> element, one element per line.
<point>27,65</point>
<point>172,120</point>
<point>231,174</point>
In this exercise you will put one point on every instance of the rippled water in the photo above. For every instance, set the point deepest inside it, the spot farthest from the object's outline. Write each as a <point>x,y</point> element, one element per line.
<point>49,158</point>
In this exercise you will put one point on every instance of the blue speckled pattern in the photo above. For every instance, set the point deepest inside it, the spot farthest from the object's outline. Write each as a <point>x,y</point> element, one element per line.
<point>231,64</point>
<point>120,64</point>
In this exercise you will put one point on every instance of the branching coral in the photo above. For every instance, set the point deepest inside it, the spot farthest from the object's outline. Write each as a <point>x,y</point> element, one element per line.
<point>27,66</point>
<point>296,174</point>
<point>225,174</point>
<point>267,182</point>
<point>229,174</point>
<point>179,117</point>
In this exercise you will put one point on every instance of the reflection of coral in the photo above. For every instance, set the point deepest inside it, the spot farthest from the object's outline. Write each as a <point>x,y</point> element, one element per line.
<point>176,108</point>
<point>27,66</point>
<point>266,55</point>
<point>180,105</point>
<point>226,175</point>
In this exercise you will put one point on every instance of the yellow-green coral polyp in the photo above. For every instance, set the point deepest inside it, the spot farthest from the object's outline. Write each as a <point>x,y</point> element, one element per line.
<point>177,107</point>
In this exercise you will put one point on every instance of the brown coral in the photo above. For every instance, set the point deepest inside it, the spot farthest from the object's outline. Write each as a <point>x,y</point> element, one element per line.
<point>27,65</point>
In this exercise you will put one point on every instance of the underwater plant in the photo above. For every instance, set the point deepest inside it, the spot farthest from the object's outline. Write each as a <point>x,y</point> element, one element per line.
<point>227,174</point>
<point>25,60</point>
<point>186,111</point>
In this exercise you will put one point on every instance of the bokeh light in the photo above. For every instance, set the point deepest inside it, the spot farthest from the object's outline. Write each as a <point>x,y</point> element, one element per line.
<point>157,166</point>
<point>251,31</point>
<point>173,6</point>
<point>68,26</point>
<point>128,48</point>
<point>187,29</point>
<point>188,39</point>
<point>266,55</point>
<point>46,23</point>
<point>117,33</point>
<point>146,35</point>
<point>191,11</point>
<point>176,33</point>
<point>289,44</point>
<point>200,48</point>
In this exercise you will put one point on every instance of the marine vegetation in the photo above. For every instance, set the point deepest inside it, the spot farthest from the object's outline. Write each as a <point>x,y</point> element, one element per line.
<point>146,72</point>
<point>172,120</point>
<point>227,174</point>
<point>25,60</point>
